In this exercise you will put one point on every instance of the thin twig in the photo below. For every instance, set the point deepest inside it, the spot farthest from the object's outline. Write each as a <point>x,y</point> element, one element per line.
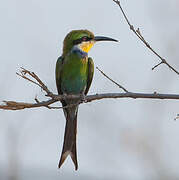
<point>157,65</point>
<point>39,83</point>
<point>112,80</point>
<point>140,36</point>
<point>47,106</point>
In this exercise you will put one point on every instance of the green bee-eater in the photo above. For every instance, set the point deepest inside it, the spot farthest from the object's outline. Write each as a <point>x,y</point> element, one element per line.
<point>74,74</point>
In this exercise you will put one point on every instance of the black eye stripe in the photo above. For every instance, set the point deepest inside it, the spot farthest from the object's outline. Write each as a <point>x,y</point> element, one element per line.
<point>77,41</point>
<point>84,38</point>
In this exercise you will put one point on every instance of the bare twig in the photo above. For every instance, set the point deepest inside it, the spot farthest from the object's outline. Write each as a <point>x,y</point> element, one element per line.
<point>39,83</point>
<point>125,90</point>
<point>140,36</point>
<point>47,106</point>
<point>12,105</point>
<point>157,65</point>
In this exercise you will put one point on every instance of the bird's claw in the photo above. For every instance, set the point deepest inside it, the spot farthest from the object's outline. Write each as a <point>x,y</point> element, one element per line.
<point>83,98</point>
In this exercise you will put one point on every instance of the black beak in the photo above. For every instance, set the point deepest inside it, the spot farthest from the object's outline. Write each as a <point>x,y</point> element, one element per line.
<point>102,38</point>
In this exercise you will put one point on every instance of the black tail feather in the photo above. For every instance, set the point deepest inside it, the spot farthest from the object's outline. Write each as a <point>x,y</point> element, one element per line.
<point>69,144</point>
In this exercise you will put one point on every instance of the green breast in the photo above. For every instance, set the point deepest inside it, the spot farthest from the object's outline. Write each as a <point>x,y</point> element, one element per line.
<point>74,74</point>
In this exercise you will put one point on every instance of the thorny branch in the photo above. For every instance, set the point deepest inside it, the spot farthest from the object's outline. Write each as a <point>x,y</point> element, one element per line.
<point>12,105</point>
<point>140,36</point>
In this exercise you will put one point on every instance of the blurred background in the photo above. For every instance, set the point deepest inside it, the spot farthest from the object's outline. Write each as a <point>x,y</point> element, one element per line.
<point>117,138</point>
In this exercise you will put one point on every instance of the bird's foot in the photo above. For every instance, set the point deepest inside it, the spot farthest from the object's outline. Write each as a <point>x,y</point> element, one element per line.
<point>83,98</point>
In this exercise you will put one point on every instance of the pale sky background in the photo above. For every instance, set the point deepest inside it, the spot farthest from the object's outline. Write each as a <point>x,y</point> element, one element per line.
<point>117,138</point>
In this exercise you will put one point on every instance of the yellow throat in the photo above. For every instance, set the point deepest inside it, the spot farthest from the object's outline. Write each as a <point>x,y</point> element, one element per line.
<point>86,46</point>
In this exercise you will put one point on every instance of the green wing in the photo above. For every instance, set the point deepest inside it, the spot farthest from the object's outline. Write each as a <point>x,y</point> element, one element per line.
<point>90,74</point>
<point>59,66</point>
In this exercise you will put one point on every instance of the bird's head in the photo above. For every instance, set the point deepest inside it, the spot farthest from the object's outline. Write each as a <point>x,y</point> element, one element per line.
<point>82,39</point>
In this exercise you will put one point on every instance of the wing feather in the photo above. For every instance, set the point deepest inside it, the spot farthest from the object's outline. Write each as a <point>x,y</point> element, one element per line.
<point>59,66</point>
<point>90,74</point>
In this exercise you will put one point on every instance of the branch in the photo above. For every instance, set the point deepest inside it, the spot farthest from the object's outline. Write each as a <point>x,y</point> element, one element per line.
<point>140,36</point>
<point>38,82</point>
<point>125,90</point>
<point>13,105</point>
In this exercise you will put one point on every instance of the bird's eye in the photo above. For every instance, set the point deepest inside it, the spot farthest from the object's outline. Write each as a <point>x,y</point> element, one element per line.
<point>85,38</point>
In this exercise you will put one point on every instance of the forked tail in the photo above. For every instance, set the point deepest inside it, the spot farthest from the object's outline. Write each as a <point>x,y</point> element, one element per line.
<point>69,144</point>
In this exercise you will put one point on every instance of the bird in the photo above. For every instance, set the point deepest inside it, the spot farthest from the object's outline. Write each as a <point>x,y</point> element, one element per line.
<point>74,73</point>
